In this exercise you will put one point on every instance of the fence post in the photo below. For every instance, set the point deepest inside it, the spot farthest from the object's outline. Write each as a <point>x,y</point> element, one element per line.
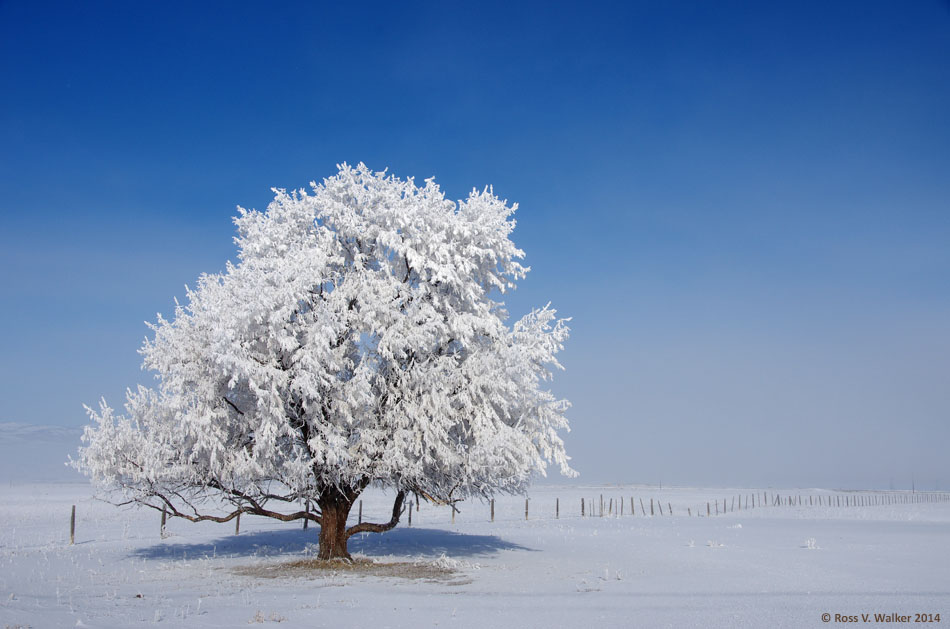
<point>670,508</point>
<point>493,509</point>
<point>72,526</point>
<point>557,508</point>
<point>410,514</point>
<point>642,510</point>
<point>582,507</point>
<point>707,509</point>
<point>651,506</point>
<point>360,520</point>
<point>306,509</point>
<point>525,508</point>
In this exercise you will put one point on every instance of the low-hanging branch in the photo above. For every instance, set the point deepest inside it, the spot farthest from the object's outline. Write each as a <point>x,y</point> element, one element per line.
<point>234,494</point>
<point>369,527</point>
<point>168,506</point>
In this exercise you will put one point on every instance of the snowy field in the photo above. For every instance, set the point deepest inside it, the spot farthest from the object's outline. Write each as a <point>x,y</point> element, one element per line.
<point>772,566</point>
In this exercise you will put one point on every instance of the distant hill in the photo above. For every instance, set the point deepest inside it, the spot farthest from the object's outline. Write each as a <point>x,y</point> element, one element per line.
<point>36,453</point>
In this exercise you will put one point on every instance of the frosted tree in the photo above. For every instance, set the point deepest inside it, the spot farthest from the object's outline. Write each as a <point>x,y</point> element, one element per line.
<point>360,340</point>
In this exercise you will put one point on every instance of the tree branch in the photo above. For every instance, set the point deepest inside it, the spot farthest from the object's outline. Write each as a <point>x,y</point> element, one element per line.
<point>368,527</point>
<point>231,404</point>
<point>175,513</point>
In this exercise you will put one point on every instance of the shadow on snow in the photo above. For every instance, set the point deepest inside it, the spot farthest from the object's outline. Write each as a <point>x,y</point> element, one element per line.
<point>405,541</point>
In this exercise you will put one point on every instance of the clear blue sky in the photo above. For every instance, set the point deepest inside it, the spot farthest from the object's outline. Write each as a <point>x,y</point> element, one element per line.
<point>744,206</point>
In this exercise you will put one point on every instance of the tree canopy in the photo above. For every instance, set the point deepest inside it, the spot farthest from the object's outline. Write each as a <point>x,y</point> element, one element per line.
<point>359,340</point>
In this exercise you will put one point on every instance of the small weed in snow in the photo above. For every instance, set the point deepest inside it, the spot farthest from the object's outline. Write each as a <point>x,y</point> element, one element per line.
<point>736,526</point>
<point>584,587</point>
<point>811,544</point>
<point>713,544</point>
<point>448,563</point>
<point>691,544</point>
<point>260,618</point>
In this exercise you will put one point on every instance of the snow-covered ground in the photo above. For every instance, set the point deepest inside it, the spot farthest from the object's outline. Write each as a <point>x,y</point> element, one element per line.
<point>772,566</point>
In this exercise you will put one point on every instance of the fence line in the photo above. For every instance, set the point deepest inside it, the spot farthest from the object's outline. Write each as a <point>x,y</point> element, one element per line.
<point>844,500</point>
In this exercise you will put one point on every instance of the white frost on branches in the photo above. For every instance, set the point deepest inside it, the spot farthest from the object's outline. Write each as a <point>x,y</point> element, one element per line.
<point>355,342</point>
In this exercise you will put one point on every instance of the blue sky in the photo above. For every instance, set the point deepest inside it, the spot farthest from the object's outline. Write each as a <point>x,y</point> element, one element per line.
<point>745,207</point>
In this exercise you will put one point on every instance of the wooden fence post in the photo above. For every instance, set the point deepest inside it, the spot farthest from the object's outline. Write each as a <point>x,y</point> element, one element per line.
<point>360,520</point>
<point>306,508</point>
<point>525,508</point>
<point>72,526</point>
<point>582,507</point>
<point>557,508</point>
<point>669,508</point>
<point>651,506</point>
<point>493,509</point>
<point>642,510</point>
<point>410,514</point>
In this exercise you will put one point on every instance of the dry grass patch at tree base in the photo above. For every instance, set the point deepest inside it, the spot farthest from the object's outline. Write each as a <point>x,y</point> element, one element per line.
<point>359,567</point>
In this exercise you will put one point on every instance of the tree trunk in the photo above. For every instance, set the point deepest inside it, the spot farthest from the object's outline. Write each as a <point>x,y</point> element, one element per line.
<point>335,506</point>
